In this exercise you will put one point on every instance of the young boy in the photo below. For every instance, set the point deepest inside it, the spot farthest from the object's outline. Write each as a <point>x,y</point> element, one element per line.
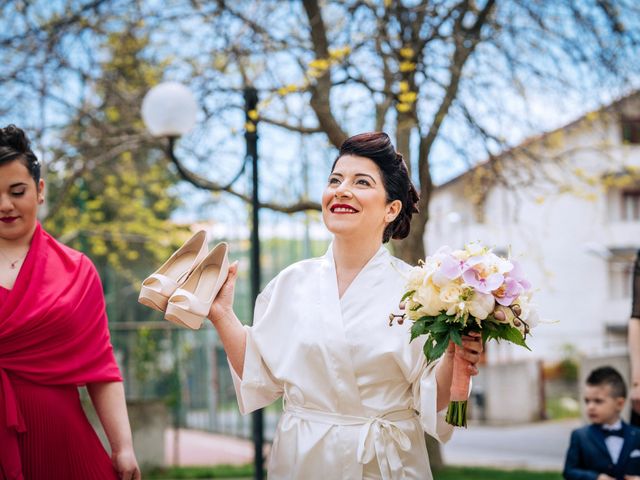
<point>608,449</point>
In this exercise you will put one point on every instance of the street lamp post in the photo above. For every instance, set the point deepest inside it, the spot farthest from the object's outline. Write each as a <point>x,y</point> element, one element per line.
<point>169,110</point>
<point>251,137</point>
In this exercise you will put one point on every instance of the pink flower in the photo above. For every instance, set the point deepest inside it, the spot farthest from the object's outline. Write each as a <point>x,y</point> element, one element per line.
<point>450,269</point>
<point>516,274</point>
<point>514,286</point>
<point>508,292</point>
<point>480,283</point>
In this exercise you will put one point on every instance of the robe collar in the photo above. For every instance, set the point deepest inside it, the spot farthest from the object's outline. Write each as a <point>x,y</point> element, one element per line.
<point>330,307</point>
<point>380,258</point>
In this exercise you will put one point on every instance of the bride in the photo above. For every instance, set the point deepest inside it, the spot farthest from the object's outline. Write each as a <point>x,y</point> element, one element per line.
<point>357,394</point>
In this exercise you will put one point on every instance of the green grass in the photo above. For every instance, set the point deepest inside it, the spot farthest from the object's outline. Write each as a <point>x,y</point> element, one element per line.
<point>219,471</point>
<point>472,473</point>
<point>448,473</point>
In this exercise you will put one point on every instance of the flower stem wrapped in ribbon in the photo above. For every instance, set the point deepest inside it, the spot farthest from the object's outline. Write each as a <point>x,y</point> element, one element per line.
<point>454,292</point>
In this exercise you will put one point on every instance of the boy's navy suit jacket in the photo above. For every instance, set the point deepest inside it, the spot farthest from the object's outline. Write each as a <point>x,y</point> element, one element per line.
<point>588,455</point>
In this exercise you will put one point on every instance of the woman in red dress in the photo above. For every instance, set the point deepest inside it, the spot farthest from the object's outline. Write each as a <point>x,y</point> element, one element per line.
<point>53,338</point>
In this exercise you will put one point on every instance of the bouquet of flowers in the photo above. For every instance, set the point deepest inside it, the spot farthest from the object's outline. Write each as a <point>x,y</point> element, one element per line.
<point>454,292</point>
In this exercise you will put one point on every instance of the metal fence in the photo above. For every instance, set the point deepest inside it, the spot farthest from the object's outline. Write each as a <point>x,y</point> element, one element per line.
<point>187,369</point>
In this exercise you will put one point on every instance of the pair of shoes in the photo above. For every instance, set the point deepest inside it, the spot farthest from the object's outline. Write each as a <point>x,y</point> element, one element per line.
<point>185,286</point>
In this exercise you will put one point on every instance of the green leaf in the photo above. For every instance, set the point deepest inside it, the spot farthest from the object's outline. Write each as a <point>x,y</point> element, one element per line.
<point>513,335</point>
<point>418,328</point>
<point>455,336</point>
<point>434,349</point>
<point>503,331</point>
<point>407,295</point>
<point>439,327</point>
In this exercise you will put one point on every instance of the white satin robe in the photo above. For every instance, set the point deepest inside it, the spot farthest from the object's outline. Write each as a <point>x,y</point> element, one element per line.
<point>340,365</point>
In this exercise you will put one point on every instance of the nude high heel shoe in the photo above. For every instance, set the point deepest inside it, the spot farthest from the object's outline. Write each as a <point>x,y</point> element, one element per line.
<point>190,304</point>
<point>160,285</point>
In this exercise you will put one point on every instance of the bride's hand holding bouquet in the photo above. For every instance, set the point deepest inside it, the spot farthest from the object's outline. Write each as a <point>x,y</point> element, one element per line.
<point>455,296</point>
<point>465,357</point>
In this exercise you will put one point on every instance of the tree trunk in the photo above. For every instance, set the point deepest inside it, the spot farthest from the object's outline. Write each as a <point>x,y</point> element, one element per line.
<point>411,249</point>
<point>435,456</point>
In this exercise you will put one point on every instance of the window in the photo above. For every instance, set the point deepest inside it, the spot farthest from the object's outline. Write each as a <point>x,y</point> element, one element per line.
<point>620,279</point>
<point>630,206</point>
<point>630,130</point>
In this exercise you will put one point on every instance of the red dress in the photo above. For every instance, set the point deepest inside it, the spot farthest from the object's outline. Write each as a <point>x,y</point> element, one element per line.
<point>53,338</point>
<point>59,442</point>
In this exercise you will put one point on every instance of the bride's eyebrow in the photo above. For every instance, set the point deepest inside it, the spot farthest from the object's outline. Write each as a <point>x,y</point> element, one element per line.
<point>366,175</point>
<point>19,184</point>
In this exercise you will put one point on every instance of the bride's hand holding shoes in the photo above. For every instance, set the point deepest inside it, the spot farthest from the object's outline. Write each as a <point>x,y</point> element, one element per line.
<point>222,306</point>
<point>231,331</point>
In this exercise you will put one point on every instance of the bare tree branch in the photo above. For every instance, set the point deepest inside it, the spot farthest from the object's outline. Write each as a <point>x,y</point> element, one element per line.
<point>320,101</point>
<point>292,128</point>
<point>203,183</point>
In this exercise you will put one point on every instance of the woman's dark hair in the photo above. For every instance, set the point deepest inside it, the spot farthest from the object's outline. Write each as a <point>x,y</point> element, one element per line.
<point>14,145</point>
<point>377,147</point>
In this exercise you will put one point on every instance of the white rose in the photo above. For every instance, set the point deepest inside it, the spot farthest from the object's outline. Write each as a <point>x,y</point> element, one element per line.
<point>458,309</point>
<point>450,293</point>
<point>429,297</point>
<point>416,278</point>
<point>481,305</point>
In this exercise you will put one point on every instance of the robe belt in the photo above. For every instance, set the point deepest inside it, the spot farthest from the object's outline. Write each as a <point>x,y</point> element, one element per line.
<point>10,426</point>
<point>379,436</point>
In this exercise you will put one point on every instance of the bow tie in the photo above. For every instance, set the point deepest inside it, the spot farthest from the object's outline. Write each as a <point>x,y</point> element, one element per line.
<point>615,432</point>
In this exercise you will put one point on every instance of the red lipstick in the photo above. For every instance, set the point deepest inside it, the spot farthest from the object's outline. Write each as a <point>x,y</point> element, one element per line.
<point>343,207</point>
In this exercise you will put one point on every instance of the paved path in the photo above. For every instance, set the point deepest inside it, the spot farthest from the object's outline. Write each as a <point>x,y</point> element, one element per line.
<point>198,448</point>
<point>537,446</point>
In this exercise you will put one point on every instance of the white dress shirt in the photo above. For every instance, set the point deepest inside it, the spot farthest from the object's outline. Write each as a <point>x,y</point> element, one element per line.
<point>614,443</point>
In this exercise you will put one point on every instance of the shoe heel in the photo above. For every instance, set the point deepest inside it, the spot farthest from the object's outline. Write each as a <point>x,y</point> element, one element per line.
<point>181,316</point>
<point>152,299</point>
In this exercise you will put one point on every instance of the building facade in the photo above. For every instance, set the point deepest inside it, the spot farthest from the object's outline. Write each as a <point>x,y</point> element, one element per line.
<point>565,204</point>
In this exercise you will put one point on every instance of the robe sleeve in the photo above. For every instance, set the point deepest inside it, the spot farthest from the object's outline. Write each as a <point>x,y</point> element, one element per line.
<point>258,387</point>
<point>425,393</point>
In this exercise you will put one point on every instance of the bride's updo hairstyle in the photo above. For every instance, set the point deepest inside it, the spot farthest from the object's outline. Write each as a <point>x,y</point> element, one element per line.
<point>377,147</point>
<point>14,145</point>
